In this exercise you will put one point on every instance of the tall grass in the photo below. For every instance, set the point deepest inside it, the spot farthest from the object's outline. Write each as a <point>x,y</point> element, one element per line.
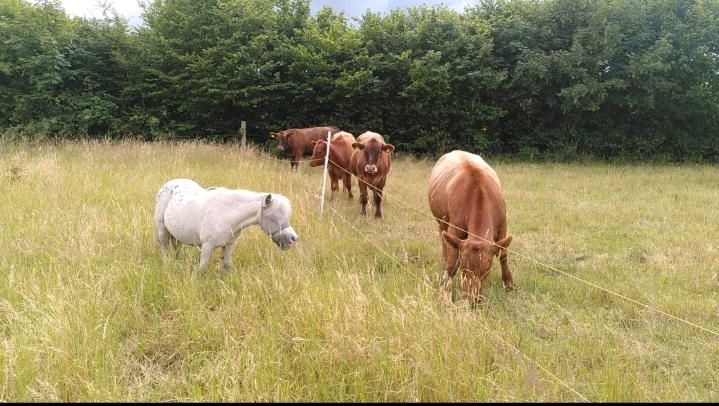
<point>89,310</point>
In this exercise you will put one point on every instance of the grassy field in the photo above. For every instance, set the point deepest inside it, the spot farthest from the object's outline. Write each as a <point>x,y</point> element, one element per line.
<point>89,310</point>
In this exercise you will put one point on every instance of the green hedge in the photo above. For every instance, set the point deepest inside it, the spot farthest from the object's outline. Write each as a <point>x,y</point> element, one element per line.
<point>557,78</point>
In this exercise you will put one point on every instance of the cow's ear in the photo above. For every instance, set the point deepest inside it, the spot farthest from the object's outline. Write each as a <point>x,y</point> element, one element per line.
<point>452,240</point>
<point>314,143</point>
<point>503,243</point>
<point>273,135</point>
<point>268,200</point>
<point>388,148</point>
<point>358,145</point>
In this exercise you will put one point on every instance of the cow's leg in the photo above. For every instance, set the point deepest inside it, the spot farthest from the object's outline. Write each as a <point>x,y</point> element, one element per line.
<point>378,189</point>
<point>451,264</point>
<point>205,253</point>
<point>334,184</point>
<point>295,161</point>
<point>445,287</point>
<point>377,202</point>
<point>363,197</point>
<point>506,273</point>
<point>227,255</point>
<point>347,180</point>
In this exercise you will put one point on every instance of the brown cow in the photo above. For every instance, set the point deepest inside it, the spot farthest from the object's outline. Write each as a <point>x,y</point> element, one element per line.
<point>465,192</point>
<point>370,163</point>
<point>296,142</point>
<point>340,156</point>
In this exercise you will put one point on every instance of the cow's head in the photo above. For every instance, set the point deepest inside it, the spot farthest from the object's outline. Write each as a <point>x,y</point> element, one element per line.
<point>282,138</point>
<point>372,149</point>
<point>475,261</point>
<point>319,150</point>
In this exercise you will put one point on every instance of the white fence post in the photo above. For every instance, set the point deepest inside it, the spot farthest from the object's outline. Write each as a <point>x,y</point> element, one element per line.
<point>324,175</point>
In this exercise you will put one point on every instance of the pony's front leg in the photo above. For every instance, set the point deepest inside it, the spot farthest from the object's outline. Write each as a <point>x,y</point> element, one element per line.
<point>227,255</point>
<point>205,253</point>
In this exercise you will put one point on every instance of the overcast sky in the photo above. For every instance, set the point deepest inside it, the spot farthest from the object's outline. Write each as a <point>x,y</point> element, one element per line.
<point>131,10</point>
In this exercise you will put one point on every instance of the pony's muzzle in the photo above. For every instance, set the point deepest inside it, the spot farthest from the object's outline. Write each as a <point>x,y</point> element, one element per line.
<point>285,238</point>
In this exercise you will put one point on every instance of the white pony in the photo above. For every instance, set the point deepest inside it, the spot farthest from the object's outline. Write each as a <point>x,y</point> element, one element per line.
<point>214,217</point>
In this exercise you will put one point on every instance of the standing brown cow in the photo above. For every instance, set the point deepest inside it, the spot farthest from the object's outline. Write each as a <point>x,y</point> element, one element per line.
<point>465,192</point>
<point>370,163</point>
<point>296,142</point>
<point>340,156</point>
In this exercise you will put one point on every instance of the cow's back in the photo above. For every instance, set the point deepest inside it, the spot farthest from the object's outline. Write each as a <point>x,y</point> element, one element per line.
<point>343,137</point>
<point>342,142</point>
<point>303,138</point>
<point>451,169</point>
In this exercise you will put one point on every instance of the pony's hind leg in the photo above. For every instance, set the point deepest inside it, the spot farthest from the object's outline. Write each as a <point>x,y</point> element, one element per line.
<point>175,246</point>
<point>164,238</point>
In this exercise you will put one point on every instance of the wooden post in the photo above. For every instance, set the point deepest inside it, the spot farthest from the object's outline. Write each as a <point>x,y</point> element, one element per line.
<point>243,134</point>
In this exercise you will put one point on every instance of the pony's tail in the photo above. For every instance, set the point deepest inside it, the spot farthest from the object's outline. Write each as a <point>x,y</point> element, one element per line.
<point>161,201</point>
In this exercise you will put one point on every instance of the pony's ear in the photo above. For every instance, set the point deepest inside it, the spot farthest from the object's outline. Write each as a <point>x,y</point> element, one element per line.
<point>268,200</point>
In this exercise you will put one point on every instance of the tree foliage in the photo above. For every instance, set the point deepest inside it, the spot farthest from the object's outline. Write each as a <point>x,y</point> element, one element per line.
<point>561,78</point>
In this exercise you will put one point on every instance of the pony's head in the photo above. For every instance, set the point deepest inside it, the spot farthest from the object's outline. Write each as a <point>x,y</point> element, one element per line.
<point>275,215</point>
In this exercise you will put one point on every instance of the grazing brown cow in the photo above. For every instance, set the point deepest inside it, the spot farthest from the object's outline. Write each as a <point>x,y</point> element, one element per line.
<point>296,142</point>
<point>340,156</point>
<point>465,192</point>
<point>370,163</point>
